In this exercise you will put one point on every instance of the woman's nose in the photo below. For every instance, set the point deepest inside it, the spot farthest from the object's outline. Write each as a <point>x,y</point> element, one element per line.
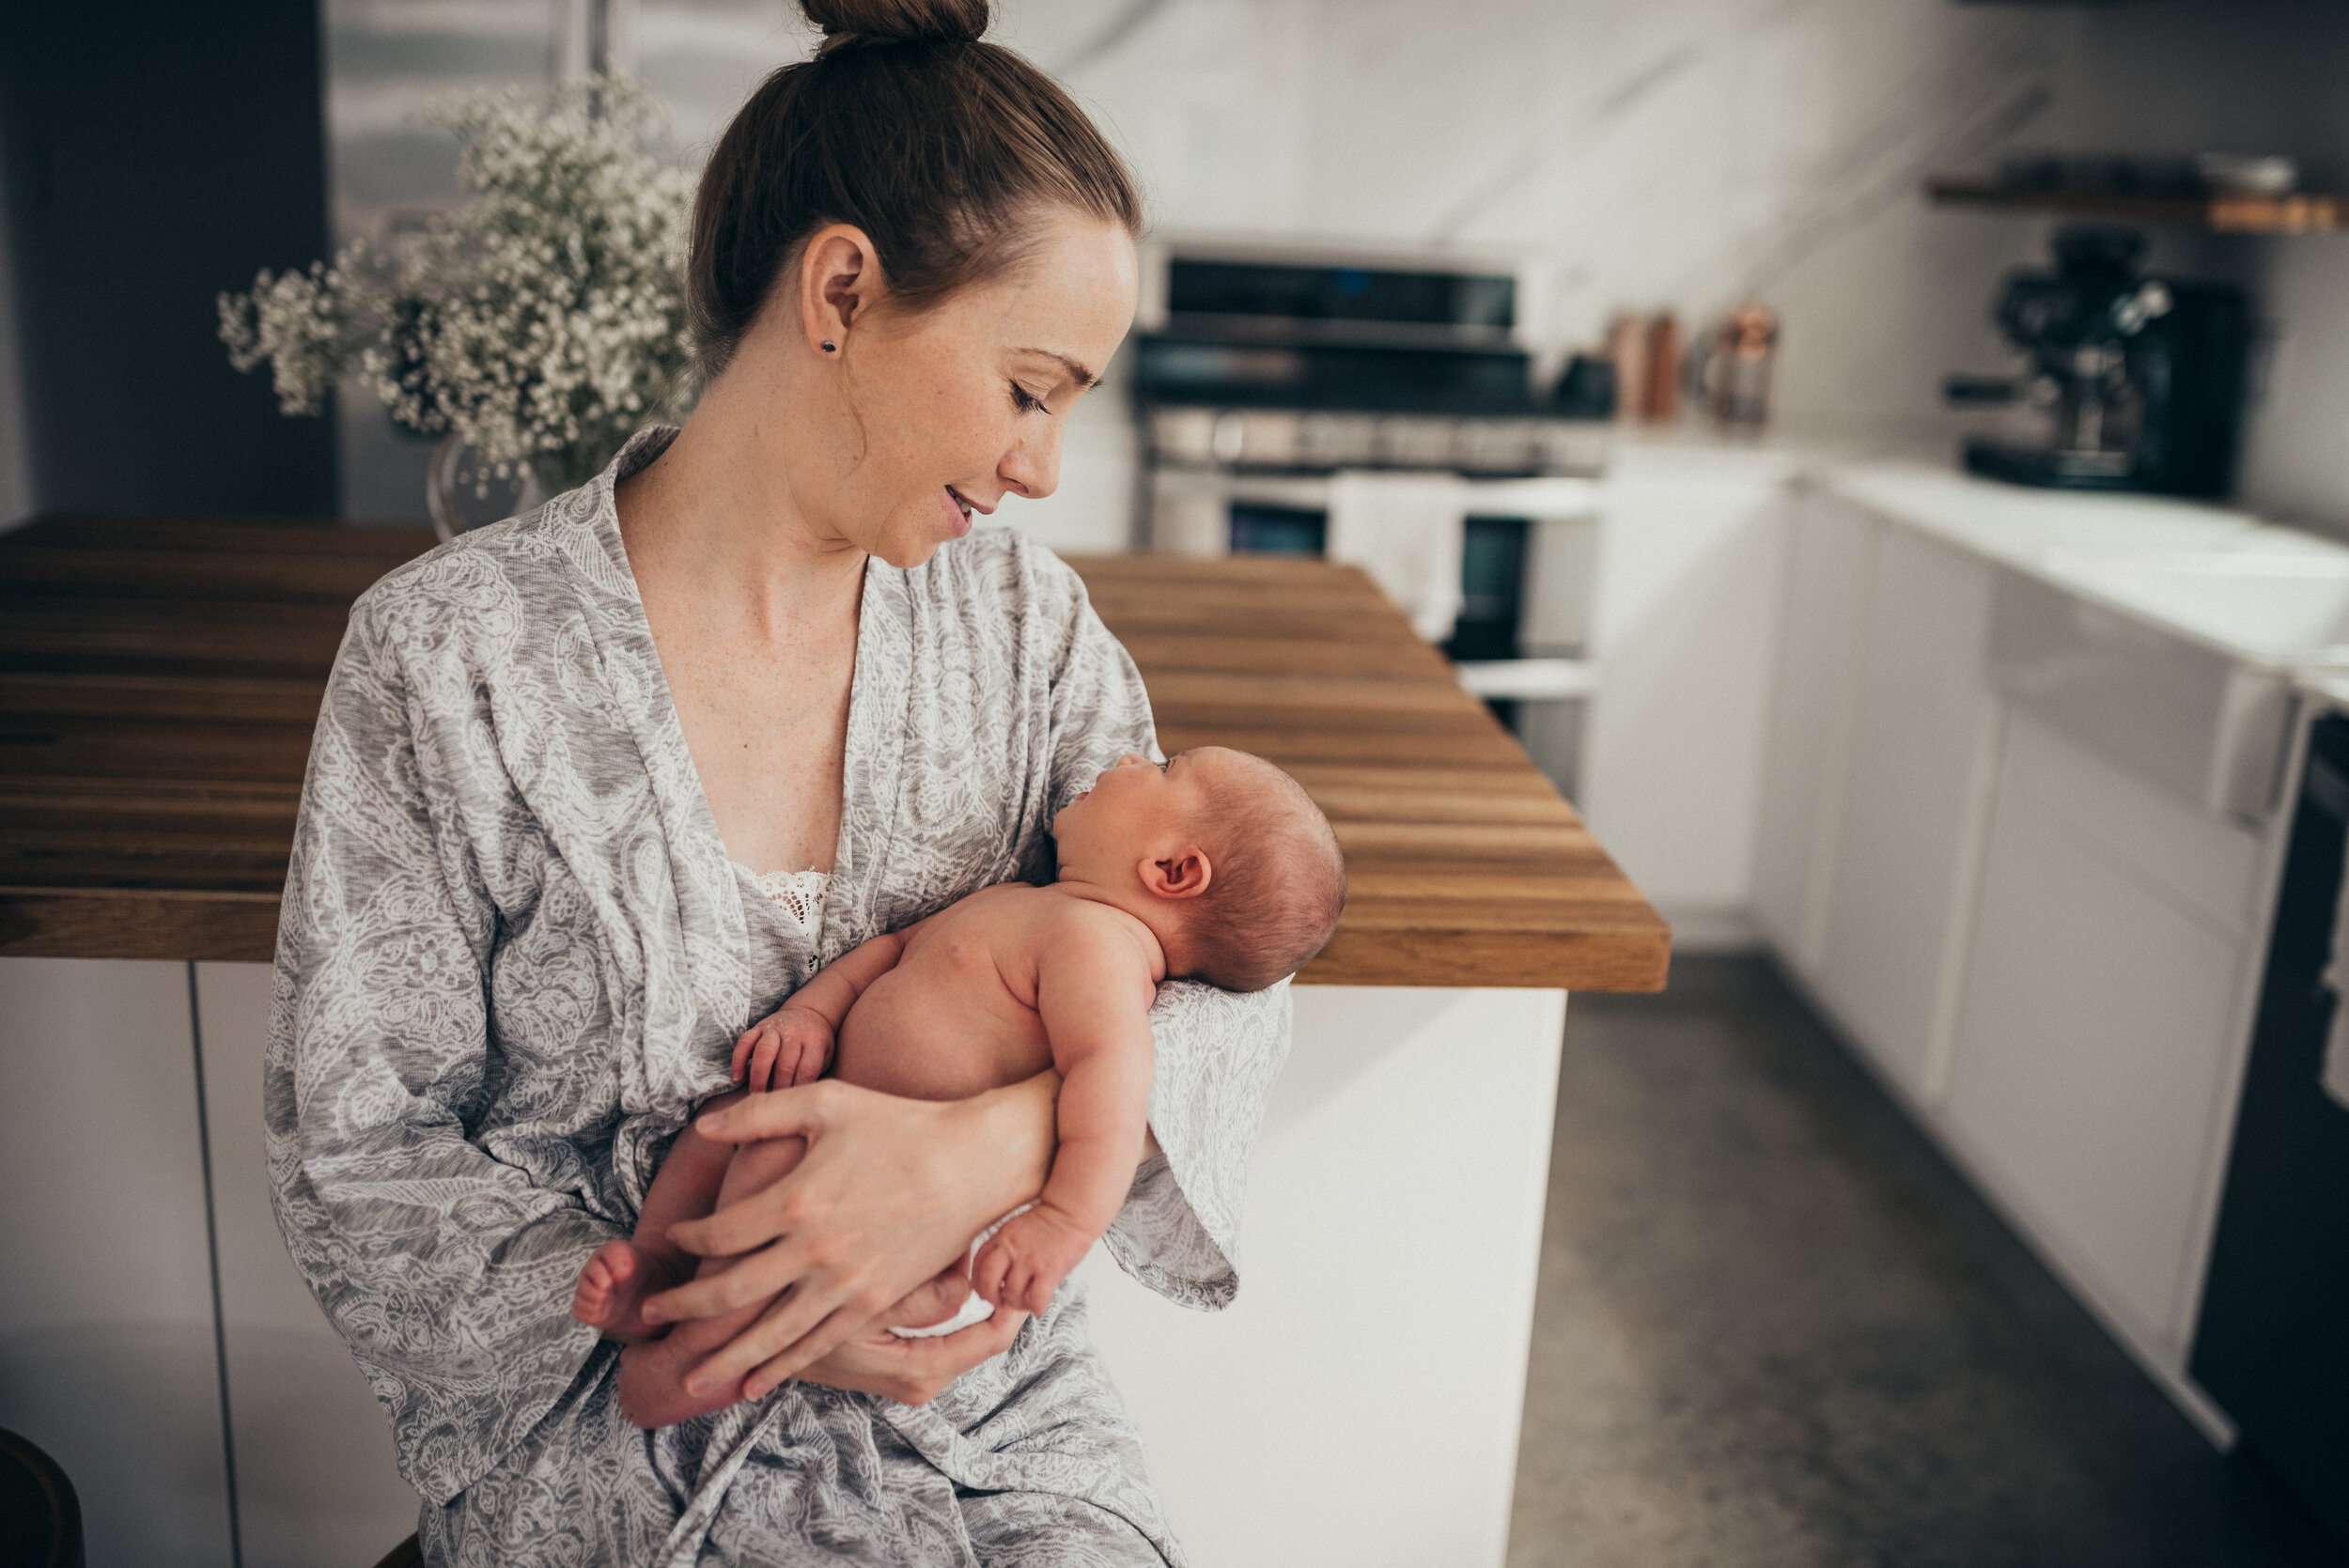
<point>1133,759</point>
<point>1032,467</point>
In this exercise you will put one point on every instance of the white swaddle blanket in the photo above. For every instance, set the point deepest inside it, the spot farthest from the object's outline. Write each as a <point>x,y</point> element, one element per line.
<point>1405,530</point>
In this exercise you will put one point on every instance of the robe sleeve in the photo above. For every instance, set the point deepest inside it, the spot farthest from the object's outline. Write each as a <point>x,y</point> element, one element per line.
<point>1218,1052</point>
<point>447,1270</point>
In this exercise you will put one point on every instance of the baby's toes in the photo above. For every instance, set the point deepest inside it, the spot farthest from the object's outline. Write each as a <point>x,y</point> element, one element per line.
<point>612,1267</point>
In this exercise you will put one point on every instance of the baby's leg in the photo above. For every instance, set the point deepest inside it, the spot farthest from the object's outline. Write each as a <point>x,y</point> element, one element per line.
<point>652,1375</point>
<point>616,1280</point>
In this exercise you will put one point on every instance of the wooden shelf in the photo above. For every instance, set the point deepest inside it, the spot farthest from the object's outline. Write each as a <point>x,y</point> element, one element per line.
<point>2293,214</point>
<point>159,681</point>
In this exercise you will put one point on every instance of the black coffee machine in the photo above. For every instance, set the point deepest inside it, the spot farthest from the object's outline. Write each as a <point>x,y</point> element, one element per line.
<point>2141,379</point>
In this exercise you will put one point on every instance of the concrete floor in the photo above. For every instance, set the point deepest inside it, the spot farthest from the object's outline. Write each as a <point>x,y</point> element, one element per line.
<point>1777,1330</point>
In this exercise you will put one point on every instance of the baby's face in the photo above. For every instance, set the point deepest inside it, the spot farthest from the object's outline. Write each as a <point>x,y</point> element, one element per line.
<point>1128,805</point>
<point>1136,808</point>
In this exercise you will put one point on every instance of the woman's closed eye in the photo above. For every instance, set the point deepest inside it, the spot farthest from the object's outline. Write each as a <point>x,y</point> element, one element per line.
<point>1026,402</point>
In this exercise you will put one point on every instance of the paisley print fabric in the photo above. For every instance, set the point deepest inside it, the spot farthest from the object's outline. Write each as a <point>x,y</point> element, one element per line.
<point>514,956</point>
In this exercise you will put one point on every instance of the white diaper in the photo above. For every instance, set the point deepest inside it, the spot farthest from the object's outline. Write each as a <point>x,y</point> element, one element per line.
<point>975,1307</point>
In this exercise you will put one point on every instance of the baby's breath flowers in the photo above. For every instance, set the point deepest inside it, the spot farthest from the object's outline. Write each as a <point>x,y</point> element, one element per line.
<point>541,323</point>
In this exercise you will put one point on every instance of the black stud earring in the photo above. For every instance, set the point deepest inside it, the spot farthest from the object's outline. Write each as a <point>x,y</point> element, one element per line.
<point>831,348</point>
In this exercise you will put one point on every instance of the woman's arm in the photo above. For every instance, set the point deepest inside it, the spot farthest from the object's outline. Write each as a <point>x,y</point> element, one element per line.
<point>891,1192</point>
<point>1217,1052</point>
<point>441,1268</point>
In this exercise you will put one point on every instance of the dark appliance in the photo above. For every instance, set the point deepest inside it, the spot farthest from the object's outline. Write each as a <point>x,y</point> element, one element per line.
<point>1279,334</point>
<point>1492,589</point>
<point>1258,529</point>
<point>2142,377</point>
<point>2272,1342</point>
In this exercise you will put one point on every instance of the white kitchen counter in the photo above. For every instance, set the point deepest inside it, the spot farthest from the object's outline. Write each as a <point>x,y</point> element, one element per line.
<point>2018,525</point>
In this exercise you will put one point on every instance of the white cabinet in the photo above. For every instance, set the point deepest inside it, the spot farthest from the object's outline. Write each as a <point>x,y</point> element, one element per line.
<point>1684,624</point>
<point>2098,1023</point>
<point>1882,741</point>
<point>1916,781</point>
<point>2046,951</point>
<point>107,1358</point>
<point>316,1476</point>
<point>115,1328</point>
<point>1216,1394</point>
<point>1809,720</point>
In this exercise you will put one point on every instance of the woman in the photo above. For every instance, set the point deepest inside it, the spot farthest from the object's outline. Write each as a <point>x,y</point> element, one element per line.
<point>593,790</point>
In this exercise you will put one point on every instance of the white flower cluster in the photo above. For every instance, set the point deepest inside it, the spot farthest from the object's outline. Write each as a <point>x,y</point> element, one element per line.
<point>544,321</point>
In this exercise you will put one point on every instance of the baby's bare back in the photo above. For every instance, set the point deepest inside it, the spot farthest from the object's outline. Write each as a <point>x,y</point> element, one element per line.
<point>957,1016</point>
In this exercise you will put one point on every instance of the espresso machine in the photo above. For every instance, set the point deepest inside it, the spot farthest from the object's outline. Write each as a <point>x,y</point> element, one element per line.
<point>2137,381</point>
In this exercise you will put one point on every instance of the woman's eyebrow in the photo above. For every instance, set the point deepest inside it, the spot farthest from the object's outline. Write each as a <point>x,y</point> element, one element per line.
<point>1083,377</point>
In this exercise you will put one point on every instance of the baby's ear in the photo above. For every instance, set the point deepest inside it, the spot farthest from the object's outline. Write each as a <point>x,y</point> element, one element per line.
<point>1184,874</point>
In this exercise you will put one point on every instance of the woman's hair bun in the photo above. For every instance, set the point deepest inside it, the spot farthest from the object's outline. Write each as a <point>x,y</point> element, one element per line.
<point>898,20</point>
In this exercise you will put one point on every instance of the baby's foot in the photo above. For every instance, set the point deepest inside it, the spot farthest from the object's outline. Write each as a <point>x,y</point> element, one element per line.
<point>652,1386</point>
<point>612,1288</point>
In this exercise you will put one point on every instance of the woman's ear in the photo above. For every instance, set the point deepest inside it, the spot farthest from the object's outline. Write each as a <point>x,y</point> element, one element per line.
<point>840,279</point>
<point>1184,874</point>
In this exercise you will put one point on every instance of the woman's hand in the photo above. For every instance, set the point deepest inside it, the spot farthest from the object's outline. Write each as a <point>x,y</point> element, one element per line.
<point>890,1194</point>
<point>911,1371</point>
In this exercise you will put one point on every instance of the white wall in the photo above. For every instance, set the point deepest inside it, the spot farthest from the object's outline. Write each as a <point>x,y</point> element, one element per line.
<point>1682,153</point>
<point>1675,154</point>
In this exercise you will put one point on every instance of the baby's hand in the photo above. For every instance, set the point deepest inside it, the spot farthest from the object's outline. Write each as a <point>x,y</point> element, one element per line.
<point>1023,1264</point>
<point>787,1048</point>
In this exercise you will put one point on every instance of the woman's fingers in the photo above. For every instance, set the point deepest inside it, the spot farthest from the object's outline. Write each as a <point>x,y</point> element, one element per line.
<point>746,1224</point>
<point>933,1300</point>
<point>828,1336</point>
<point>786,1114</point>
<point>912,1371</point>
<point>915,1372</point>
<point>745,1283</point>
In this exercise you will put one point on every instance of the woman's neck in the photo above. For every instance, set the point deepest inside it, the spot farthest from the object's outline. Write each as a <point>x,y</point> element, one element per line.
<point>721,518</point>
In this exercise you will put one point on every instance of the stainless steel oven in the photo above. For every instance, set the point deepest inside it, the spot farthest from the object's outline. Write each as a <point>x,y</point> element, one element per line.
<point>1259,376</point>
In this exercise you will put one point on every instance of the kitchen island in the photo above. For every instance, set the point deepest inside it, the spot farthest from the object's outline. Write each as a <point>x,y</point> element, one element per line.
<point>158,682</point>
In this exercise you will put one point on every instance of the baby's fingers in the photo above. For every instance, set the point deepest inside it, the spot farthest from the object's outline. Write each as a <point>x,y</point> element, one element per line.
<point>988,1272</point>
<point>743,1050</point>
<point>763,1060</point>
<point>807,1065</point>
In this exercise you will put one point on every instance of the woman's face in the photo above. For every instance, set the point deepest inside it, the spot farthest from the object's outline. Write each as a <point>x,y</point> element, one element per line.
<point>945,411</point>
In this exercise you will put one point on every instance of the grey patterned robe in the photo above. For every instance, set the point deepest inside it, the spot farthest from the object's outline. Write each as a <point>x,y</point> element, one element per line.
<point>513,957</point>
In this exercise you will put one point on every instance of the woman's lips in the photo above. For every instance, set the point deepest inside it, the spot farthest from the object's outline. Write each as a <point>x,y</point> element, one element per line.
<point>960,507</point>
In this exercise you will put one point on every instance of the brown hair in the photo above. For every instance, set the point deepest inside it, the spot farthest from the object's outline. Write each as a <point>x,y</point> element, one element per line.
<point>1278,888</point>
<point>941,148</point>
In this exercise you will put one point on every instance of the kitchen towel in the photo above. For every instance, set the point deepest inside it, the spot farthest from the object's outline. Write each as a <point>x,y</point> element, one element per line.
<point>1405,530</point>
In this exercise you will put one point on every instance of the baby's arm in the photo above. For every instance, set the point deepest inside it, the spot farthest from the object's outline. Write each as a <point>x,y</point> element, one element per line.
<point>793,1044</point>
<point>1094,989</point>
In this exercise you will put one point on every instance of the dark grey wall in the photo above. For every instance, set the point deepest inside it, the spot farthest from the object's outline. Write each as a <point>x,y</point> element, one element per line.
<point>157,152</point>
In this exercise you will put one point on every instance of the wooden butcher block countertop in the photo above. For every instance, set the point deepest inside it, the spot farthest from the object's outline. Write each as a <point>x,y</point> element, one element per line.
<point>158,679</point>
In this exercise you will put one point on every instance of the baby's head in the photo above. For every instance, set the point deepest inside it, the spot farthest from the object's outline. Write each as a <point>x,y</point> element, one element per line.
<point>1236,869</point>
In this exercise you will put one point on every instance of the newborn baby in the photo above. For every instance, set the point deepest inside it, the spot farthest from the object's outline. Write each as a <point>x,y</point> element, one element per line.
<point>1216,867</point>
